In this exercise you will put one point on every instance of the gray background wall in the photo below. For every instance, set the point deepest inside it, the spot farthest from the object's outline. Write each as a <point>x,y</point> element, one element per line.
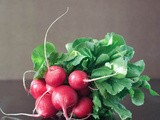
<point>23,24</point>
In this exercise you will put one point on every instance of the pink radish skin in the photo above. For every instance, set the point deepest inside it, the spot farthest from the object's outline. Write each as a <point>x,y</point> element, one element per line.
<point>55,76</point>
<point>49,88</point>
<point>37,88</point>
<point>45,107</point>
<point>64,97</point>
<point>83,108</point>
<point>76,79</point>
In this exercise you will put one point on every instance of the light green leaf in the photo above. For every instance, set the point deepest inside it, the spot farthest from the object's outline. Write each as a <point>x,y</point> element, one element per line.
<point>38,54</point>
<point>115,86</point>
<point>86,52</point>
<point>72,55</point>
<point>77,60</point>
<point>41,71</point>
<point>113,102</point>
<point>101,89</point>
<point>102,71</point>
<point>112,39</point>
<point>146,85</point>
<point>69,47</point>
<point>102,59</point>
<point>85,64</point>
<point>78,41</point>
<point>138,97</point>
<point>120,67</point>
<point>123,51</point>
<point>135,69</point>
<point>97,102</point>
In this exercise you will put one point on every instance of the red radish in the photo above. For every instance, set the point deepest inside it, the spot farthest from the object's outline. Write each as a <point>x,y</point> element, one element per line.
<point>37,88</point>
<point>84,92</point>
<point>78,79</point>
<point>64,97</point>
<point>83,108</point>
<point>45,107</point>
<point>43,102</point>
<point>49,88</point>
<point>55,76</point>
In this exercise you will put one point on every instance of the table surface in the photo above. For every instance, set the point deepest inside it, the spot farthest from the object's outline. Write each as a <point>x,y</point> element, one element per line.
<point>13,99</point>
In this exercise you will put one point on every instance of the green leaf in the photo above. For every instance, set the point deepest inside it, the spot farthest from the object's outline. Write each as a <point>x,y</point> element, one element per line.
<point>69,47</point>
<point>120,67</point>
<point>86,52</point>
<point>52,58</point>
<point>138,97</point>
<point>85,64</point>
<point>70,56</point>
<point>123,51</point>
<point>78,41</point>
<point>97,102</point>
<point>102,59</point>
<point>101,89</point>
<point>135,69</point>
<point>102,71</point>
<point>38,54</point>
<point>77,60</point>
<point>146,85</point>
<point>115,86</point>
<point>41,71</point>
<point>113,102</point>
<point>97,105</point>
<point>113,39</point>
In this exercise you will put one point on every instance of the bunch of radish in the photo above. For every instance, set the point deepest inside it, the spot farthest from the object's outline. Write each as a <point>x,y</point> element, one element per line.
<point>89,81</point>
<point>57,93</point>
<point>53,95</point>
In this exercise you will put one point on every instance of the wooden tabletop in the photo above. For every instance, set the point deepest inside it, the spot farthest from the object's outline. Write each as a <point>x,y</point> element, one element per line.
<point>13,99</point>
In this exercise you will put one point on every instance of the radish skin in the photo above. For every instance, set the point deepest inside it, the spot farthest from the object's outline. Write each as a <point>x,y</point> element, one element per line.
<point>55,76</point>
<point>49,88</point>
<point>37,88</point>
<point>83,108</point>
<point>78,79</point>
<point>45,107</point>
<point>64,97</point>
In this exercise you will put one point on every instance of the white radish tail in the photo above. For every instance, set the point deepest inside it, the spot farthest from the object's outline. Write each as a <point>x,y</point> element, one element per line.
<point>45,38</point>
<point>94,79</point>
<point>24,75</point>
<point>19,114</point>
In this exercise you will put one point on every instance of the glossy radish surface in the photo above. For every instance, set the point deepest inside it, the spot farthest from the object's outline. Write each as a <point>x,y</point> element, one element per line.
<point>64,97</point>
<point>37,88</point>
<point>49,88</point>
<point>76,79</point>
<point>45,107</point>
<point>83,108</point>
<point>55,76</point>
